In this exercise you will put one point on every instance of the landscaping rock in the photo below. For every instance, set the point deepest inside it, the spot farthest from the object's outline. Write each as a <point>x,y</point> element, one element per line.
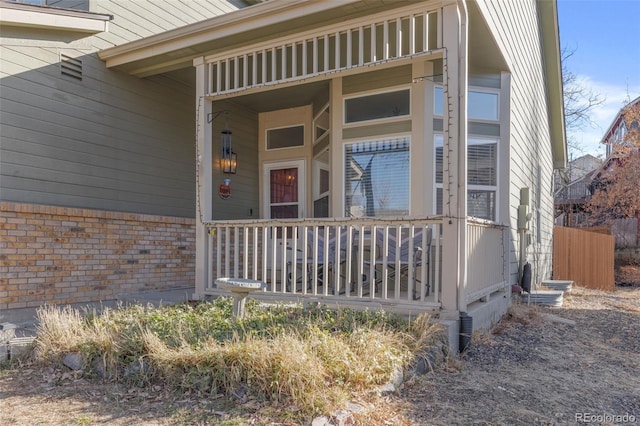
<point>321,421</point>
<point>74,361</point>
<point>342,418</point>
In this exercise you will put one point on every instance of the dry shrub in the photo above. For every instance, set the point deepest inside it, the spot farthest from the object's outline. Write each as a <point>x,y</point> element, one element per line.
<point>59,330</point>
<point>518,313</point>
<point>63,330</point>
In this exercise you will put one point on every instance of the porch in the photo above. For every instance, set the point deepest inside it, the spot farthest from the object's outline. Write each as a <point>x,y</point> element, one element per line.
<point>392,264</point>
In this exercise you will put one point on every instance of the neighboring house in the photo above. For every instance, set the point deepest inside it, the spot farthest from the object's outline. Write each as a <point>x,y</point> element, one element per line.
<point>626,231</point>
<point>614,137</point>
<point>573,189</point>
<point>381,154</point>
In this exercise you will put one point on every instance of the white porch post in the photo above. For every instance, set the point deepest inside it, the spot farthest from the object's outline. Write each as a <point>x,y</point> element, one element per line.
<point>204,182</point>
<point>454,188</point>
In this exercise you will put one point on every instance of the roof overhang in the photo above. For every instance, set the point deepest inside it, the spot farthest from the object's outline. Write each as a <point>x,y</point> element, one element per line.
<point>52,18</point>
<point>177,48</point>
<point>548,20</point>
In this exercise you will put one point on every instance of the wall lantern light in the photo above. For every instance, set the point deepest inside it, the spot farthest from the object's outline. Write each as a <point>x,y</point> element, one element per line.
<point>228,158</point>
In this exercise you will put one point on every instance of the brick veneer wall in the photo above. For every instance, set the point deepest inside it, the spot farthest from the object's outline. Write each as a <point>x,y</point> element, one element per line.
<point>64,255</point>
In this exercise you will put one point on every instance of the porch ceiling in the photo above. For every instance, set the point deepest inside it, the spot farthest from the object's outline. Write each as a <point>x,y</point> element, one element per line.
<point>283,98</point>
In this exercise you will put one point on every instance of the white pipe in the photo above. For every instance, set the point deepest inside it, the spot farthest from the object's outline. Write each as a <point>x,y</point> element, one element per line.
<point>462,149</point>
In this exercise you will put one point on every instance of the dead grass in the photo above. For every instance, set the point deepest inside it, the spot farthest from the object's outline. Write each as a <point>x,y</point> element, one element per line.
<point>310,368</point>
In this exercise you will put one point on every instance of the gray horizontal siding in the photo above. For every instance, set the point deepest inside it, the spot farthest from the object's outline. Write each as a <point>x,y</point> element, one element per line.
<point>109,141</point>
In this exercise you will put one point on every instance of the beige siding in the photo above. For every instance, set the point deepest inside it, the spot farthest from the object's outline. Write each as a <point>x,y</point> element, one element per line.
<point>108,141</point>
<point>515,27</point>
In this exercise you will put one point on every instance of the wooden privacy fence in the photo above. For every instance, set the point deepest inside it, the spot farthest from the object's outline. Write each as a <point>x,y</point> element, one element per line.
<point>585,257</point>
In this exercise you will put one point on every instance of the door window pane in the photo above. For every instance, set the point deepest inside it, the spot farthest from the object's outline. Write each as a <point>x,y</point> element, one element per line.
<point>284,185</point>
<point>377,178</point>
<point>284,212</point>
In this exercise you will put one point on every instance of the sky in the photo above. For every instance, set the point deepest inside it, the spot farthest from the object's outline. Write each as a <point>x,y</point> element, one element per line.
<point>605,35</point>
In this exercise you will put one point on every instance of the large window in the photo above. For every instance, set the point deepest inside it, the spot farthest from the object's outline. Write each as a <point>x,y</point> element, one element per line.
<point>377,178</point>
<point>377,106</point>
<point>482,176</point>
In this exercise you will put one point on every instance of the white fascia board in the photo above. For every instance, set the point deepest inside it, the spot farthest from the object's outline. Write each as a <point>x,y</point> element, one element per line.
<point>237,22</point>
<point>53,19</point>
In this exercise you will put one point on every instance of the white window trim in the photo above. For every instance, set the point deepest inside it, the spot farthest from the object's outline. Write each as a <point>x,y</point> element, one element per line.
<point>375,120</point>
<point>315,119</point>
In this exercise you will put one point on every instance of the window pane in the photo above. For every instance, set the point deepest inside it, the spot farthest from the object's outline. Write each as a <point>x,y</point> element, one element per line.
<point>481,163</point>
<point>321,207</point>
<point>481,204</point>
<point>377,178</point>
<point>286,137</point>
<point>284,212</point>
<point>372,107</point>
<point>483,106</point>
<point>324,181</point>
<point>438,101</point>
<point>439,201</point>
<point>284,185</point>
<point>438,140</point>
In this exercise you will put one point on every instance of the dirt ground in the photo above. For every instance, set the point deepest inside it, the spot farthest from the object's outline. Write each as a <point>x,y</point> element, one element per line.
<point>538,366</point>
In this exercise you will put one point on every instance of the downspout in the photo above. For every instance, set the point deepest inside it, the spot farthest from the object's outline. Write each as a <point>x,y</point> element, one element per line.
<point>466,321</point>
<point>462,151</point>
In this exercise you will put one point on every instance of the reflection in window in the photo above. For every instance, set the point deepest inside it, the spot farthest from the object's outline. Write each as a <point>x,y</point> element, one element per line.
<point>483,106</point>
<point>380,105</point>
<point>438,101</point>
<point>377,178</point>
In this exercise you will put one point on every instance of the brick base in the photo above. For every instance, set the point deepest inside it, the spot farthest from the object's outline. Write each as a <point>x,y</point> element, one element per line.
<point>58,255</point>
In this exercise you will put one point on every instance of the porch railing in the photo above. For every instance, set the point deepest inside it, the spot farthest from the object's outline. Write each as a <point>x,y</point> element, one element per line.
<point>486,262</point>
<point>380,38</point>
<point>391,262</point>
